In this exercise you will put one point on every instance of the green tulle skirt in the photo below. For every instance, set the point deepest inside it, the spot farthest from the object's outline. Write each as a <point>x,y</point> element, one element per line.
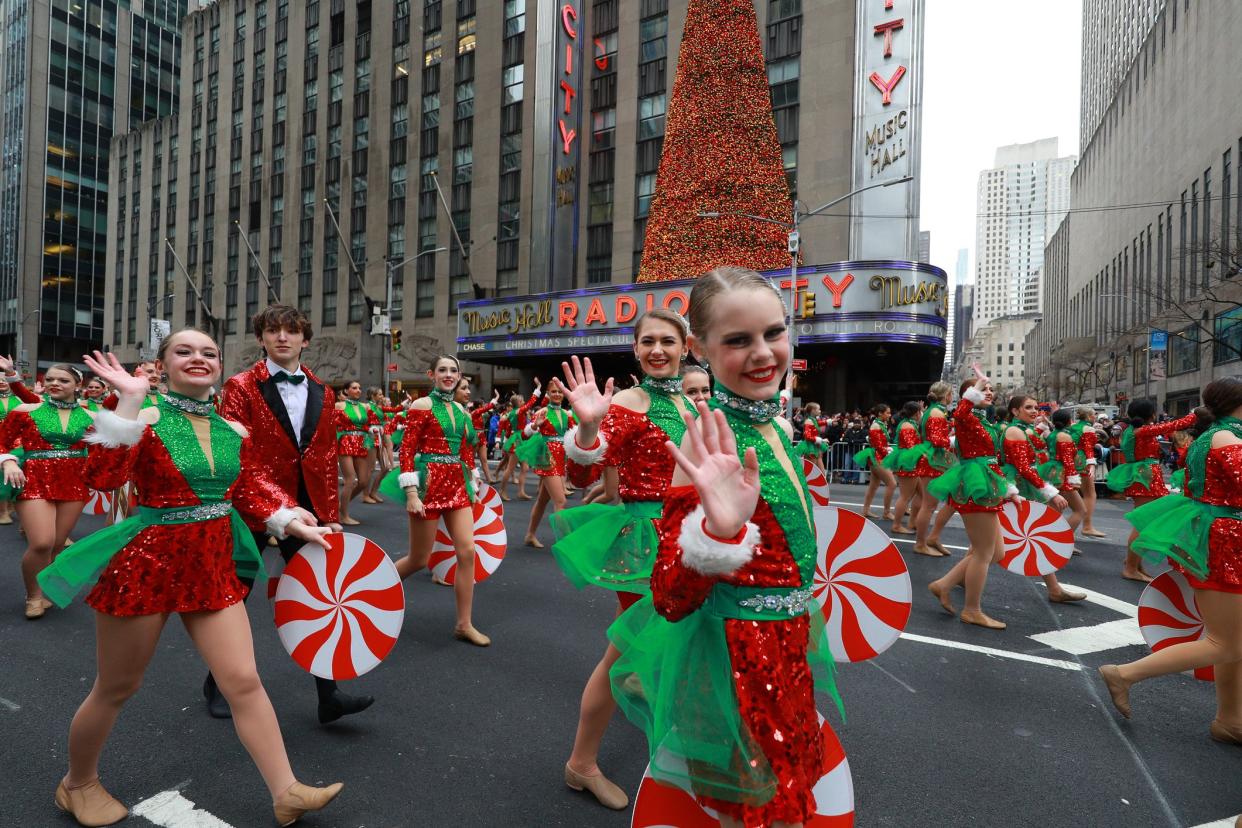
<point>1177,480</point>
<point>807,448</point>
<point>907,459</point>
<point>1127,474</point>
<point>1177,527</point>
<point>972,480</point>
<point>865,458</point>
<point>533,451</point>
<point>609,546</point>
<point>674,681</point>
<point>1025,489</point>
<point>1052,472</point>
<point>8,492</point>
<point>79,566</point>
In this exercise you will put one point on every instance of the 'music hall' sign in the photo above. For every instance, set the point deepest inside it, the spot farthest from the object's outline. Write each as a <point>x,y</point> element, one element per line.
<point>865,301</point>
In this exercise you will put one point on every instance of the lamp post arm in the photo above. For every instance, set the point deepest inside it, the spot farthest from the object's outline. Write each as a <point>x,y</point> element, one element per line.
<point>851,194</point>
<point>271,292</point>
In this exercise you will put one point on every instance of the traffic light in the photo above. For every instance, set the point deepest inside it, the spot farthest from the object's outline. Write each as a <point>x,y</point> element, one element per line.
<point>808,304</point>
<point>396,339</point>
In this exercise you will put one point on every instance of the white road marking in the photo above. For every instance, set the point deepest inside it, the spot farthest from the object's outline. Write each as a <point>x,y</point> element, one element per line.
<point>169,809</point>
<point>1227,822</point>
<point>989,651</point>
<point>1115,604</point>
<point>8,705</point>
<point>894,678</point>
<point>1082,640</point>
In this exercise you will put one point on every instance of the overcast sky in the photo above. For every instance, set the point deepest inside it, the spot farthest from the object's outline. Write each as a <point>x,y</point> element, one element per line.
<point>997,73</point>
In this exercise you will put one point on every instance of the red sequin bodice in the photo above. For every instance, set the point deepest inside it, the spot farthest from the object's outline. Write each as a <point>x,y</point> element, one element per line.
<point>1020,455</point>
<point>973,440</point>
<point>878,438</point>
<point>908,437</point>
<point>636,448</point>
<point>1146,442</point>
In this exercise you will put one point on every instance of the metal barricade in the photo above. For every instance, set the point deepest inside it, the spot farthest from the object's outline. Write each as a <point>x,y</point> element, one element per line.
<point>840,466</point>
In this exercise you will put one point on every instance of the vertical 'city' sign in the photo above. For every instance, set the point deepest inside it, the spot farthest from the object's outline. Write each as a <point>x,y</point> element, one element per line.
<point>566,139</point>
<point>887,120</point>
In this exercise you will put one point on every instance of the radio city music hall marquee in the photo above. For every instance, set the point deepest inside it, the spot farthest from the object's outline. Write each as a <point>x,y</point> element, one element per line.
<point>864,301</point>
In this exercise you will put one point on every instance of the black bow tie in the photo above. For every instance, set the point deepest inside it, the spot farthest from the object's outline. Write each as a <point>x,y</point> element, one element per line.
<point>296,379</point>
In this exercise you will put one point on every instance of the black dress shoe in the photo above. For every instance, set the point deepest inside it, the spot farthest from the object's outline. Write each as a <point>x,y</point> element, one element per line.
<point>342,705</point>
<point>217,705</point>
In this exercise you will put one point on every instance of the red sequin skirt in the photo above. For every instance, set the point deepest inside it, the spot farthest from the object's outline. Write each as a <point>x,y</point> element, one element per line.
<point>1224,558</point>
<point>556,454</point>
<point>445,489</point>
<point>1158,488</point>
<point>971,506</point>
<point>352,445</point>
<point>171,568</point>
<point>55,479</point>
<point>776,699</point>
<point>924,469</point>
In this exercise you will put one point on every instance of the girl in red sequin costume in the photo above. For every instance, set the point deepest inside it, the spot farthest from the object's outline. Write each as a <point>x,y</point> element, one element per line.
<point>935,430</point>
<point>873,458</point>
<point>904,462</point>
<point>356,430</point>
<point>182,552</point>
<point>1087,440</point>
<point>977,488</point>
<point>1140,476</point>
<point>613,545</point>
<point>724,653</point>
<point>513,425</point>
<point>1065,452</point>
<point>438,483</point>
<point>1200,531</point>
<point>53,491</point>
<point>544,450</point>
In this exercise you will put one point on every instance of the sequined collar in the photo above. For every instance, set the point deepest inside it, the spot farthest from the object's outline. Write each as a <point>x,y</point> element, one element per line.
<point>661,385</point>
<point>756,411</point>
<point>442,395</point>
<point>64,405</point>
<point>189,405</point>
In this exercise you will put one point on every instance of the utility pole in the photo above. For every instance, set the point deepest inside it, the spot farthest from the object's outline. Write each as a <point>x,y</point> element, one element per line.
<point>271,292</point>
<point>216,324</point>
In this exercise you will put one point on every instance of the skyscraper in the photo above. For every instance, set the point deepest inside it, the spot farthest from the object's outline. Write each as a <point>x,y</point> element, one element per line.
<point>961,298</point>
<point>72,75</point>
<point>1021,201</point>
<point>1113,32</point>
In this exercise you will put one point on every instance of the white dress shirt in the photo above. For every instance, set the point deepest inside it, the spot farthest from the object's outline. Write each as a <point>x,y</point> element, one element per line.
<point>294,397</point>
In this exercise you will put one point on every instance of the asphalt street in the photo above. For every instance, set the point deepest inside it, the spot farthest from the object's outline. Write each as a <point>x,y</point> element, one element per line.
<point>935,734</point>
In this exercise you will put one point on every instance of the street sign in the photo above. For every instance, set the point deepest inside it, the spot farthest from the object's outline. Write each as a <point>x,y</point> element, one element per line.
<point>392,367</point>
<point>799,365</point>
<point>1159,340</point>
<point>159,329</point>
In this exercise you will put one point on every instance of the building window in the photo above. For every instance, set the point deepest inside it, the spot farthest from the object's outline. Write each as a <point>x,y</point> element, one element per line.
<point>650,116</point>
<point>645,192</point>
<point>653,38</point>
<point>1184,350</point>
<point>1227,337</point>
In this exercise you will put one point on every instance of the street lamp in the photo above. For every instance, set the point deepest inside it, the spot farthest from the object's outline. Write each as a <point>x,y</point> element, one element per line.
<point>271,291</point>
<point>386,328</point>
<point>34,363</point>
<point>794,244</point>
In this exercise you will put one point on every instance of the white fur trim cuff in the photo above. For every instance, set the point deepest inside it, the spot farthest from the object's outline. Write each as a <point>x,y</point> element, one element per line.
<point>1091,461</point>
<point>1011,491</point>
<point>279,521</point>
<point>6,457</point>
<point>113,431</point>
<point>408,480</point>
<point>528,429</point>
<point>709,556</point>
<point>584,456</point>
<point>1074,480</point>
<point>1049,491</point>
<point>973,394</point>
<point>536,392</point>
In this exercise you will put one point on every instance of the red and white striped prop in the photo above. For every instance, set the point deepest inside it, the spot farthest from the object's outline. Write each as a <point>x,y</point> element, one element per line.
<point>1168,614</point>
<point>657,805</point>
<point>99,503</point>
<point>490,541</point>
<point>1037,538</point>
<point>861,585</point>
<point>339,611</point>
<point>816,482</point>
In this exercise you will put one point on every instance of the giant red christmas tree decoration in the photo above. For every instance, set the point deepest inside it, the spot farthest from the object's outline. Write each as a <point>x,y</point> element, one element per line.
<point>720,153</point>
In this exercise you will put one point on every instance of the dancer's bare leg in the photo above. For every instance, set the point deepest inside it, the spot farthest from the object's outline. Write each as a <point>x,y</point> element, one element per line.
<point>1133,568</point>
<point>946,513</point>
<point>349,482</point>
<point>460,525</point>
<point>39,520</point>
<point>1088,499</point>
<point>908,487</point>
<point>983,529</point>
<point>536,514</point>
<point>922,522</point>
<point>422,536</point>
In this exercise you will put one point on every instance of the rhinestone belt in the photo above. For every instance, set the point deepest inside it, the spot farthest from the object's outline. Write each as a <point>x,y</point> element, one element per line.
<point>203,511</point>
<point>791,603</point>
<point>54,454</point>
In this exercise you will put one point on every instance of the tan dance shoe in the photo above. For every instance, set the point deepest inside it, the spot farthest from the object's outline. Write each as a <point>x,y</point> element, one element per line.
<point>1224,733</point>
<point>34,608</point>
<point>299,799</point>
<point>1067,597</point>
<point>1117,688</point>
<point>600,786</point>
<point>472,636</point>
<point>982,619</point>
<point>90,804</point>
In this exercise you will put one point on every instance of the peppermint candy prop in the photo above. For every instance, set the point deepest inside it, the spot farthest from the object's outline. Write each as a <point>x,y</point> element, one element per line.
<point>861,585</point>
<point>1168,614</point>
<point>1037,538</point>
<point>816,482</point>
<point>100,503</point>
<point>490,542</point>
<point>657,805</point>
<point>491,499</point>
<point>338,611</point>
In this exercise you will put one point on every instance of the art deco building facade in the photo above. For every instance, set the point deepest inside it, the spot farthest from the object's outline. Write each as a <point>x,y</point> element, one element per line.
<point>297,118</point>
<point>72,74</point>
